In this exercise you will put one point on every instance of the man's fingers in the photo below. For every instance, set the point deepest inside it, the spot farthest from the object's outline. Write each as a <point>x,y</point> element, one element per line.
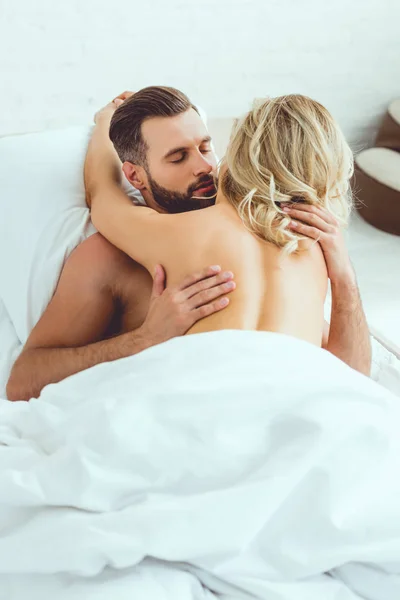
<point>207,296</point>
<point>209,309</point>
<point>323,213</point>
<point>311,232</point>
<point>196,277</point>
<point>310,218</point>
<point>207,284</point>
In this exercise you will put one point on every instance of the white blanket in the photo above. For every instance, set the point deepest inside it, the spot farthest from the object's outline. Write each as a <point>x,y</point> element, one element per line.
<point>228,464</point>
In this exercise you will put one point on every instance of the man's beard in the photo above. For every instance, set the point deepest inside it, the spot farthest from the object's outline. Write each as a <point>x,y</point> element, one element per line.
<point>175,202</point>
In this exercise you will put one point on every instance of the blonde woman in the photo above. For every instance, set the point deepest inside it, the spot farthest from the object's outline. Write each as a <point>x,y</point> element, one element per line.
<point>284,151</point>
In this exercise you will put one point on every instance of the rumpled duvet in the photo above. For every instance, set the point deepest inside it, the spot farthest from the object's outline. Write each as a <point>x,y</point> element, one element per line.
<point>226,465</point>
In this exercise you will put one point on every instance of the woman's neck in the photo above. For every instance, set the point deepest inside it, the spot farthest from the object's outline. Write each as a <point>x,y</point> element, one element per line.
<point>221,199</point>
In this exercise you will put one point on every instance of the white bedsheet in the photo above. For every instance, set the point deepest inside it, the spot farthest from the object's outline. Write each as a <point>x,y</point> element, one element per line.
<point>385,355</point>
<point>237,462</point>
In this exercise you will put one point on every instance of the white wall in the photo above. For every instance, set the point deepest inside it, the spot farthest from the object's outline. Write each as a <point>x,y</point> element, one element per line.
<point>61,60</point>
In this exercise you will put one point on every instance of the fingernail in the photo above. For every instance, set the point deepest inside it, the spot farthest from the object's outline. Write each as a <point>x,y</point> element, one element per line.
<point>230,285</point>
<point>292,224</point>
<point>227,274</point>
<point>215,268</point>
<point>224,301</point>
<point>286,209</point>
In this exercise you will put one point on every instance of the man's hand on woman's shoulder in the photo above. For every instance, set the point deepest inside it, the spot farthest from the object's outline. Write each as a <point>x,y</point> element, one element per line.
<point>319,224</point>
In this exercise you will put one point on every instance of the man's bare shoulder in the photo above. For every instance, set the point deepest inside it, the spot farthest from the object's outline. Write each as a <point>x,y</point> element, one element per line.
<point>97,251</point>
<point>97,262</point>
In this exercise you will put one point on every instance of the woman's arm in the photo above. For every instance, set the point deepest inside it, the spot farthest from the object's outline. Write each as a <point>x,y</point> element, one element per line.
<point>131,228</point>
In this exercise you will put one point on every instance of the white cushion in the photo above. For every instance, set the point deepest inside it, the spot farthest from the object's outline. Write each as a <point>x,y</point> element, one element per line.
<point>381,164</point>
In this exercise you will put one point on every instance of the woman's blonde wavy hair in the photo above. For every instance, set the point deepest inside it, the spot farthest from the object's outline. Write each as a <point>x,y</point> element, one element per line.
<point>286,149</point>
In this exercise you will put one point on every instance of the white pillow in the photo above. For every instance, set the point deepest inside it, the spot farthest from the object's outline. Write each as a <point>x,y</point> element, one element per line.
<point>43,217</point>
<point>10,347</point>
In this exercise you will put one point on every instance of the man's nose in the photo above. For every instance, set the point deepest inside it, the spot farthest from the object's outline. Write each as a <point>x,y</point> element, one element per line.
<point>202,165</point>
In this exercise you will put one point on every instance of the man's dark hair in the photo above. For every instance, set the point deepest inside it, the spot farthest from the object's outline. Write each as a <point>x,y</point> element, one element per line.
<point>126,123</point>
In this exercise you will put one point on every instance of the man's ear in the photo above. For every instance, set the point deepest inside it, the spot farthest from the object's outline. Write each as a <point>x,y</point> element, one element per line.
<point>135,175</point>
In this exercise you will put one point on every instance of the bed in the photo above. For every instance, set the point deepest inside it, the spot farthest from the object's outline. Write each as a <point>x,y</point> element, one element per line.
<point>112,485</point>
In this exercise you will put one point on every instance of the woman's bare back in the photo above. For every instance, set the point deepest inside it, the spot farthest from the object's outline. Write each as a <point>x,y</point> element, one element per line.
<point>272,294</point>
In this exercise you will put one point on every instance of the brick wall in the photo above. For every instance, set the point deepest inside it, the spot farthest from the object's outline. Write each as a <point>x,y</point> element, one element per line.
<point>59,61</point>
